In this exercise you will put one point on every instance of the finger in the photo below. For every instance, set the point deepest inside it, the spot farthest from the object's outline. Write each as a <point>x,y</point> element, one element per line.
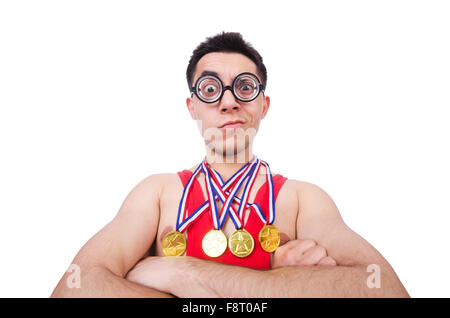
<point>327,261</point>
<point>300,246</point>
<point>284,239</point>
<point>313,255</point>
<point>291,253</point>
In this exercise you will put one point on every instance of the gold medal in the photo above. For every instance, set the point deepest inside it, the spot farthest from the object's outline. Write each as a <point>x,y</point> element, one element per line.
<point>241,243</point>
<point>214,243</point>
<point>174,244</point>
<point>269,238</point>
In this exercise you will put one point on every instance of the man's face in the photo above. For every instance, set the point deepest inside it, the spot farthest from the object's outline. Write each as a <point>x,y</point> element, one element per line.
<point>243,116</point>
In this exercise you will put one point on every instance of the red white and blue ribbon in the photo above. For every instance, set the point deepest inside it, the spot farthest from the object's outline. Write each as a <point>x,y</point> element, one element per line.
<point>212,190</point>
<point>239,218</point>
<point>181,224</point>
<point>228,196</point>
<point>220,193</point>
<point>255,206</point>
<point>247,189</point>
<point>271,193</point>
<point>217,189</point>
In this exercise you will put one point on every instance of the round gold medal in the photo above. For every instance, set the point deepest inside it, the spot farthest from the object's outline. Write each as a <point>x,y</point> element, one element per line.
<point>241,243</point>
<point>174,244</point>
<point>269,238</point>
<point>214,243</point>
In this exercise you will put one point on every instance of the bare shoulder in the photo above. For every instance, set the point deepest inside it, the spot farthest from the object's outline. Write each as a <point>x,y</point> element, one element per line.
<point>309,196</point>
<point>316,210</point>
<point>158,179</point>
<point>156,182</point>
<point>318,217</point>
<point>305,192</point>
<point>147,193</point>
<point>312,197</point>
<point>287,196</point>
<point>304,187</point>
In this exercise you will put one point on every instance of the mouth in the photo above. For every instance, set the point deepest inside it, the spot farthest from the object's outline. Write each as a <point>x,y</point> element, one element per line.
<point>232,124</point>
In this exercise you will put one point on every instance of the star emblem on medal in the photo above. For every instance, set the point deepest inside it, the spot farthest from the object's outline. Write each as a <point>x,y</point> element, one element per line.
<point>175,243</point>
<point>213,243</point>
<point>267,237</point>
<point>241,244</point>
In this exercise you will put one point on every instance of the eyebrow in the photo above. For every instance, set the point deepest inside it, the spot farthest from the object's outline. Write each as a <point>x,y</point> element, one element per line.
<point>206,73</point>
<point>209,73</point>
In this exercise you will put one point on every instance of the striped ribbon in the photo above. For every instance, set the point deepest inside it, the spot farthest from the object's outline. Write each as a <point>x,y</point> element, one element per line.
<point>217,189</point>
<point>227,196</point>
<point>219,220</point>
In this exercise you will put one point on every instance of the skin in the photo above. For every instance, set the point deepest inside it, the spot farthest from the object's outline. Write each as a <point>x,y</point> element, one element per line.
<point>321,255</point>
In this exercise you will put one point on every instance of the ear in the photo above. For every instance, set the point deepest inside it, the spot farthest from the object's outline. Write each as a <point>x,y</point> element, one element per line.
<point>190,106</point>
<point>266,106</point>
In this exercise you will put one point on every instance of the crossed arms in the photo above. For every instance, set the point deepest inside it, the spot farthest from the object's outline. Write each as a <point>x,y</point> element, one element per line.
<point>332,262</point>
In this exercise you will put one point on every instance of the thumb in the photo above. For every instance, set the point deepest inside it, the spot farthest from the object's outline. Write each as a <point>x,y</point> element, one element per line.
<point>284,239</point>
<point>327,261</point>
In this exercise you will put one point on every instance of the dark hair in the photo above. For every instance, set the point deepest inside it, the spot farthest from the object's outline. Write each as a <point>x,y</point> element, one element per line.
<point>231,42</point>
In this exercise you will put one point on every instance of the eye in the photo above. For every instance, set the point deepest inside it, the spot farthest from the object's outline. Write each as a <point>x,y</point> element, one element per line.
<point>210,89</point>
<point>246,87</point>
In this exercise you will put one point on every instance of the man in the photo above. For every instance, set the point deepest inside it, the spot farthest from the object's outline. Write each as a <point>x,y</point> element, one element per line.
<point>319,256</point>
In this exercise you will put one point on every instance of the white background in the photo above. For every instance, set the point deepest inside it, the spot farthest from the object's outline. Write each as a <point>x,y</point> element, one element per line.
<point>92,100</point>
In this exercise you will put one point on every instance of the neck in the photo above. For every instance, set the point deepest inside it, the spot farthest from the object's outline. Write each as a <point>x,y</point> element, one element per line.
<point>226,166</point>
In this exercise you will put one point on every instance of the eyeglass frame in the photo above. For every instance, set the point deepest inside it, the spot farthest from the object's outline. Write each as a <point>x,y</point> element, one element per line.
<point>228,87</point>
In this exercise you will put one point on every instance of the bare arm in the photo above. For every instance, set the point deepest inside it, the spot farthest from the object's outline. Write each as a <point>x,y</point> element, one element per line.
<point>107,257</point>
<point>319,220</point>
<point>101,282</point>
<point>192,277</point>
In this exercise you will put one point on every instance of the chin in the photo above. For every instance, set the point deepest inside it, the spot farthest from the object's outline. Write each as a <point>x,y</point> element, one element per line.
<point>235,150</point>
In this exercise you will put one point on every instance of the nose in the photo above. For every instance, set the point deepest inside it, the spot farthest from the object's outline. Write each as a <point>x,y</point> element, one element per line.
<point>228,102</point>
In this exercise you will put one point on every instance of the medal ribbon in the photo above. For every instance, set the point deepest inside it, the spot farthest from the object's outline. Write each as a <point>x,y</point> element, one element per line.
<point>237,218</point>
<point>271,193</point>
<point>226,196</point>
<point>247,189</point>
<point>212,192</point>
<point>255,206</point>
<point>181,225</point>
<point>220,193</point>
<point>220,190</point>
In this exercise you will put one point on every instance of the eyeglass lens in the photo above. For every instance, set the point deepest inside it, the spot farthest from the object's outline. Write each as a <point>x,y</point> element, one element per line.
<point>245,88</point>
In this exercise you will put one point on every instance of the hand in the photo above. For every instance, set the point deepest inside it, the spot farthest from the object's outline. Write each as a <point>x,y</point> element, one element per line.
<point>301,252</point>
<point>154,272</point>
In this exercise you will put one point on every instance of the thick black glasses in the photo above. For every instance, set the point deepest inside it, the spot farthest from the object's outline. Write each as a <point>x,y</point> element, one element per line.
<point>210,89</point>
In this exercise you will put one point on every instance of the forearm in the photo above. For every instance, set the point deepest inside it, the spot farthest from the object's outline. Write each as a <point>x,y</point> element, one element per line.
<point>211,279</point>
<point>100,282</point>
